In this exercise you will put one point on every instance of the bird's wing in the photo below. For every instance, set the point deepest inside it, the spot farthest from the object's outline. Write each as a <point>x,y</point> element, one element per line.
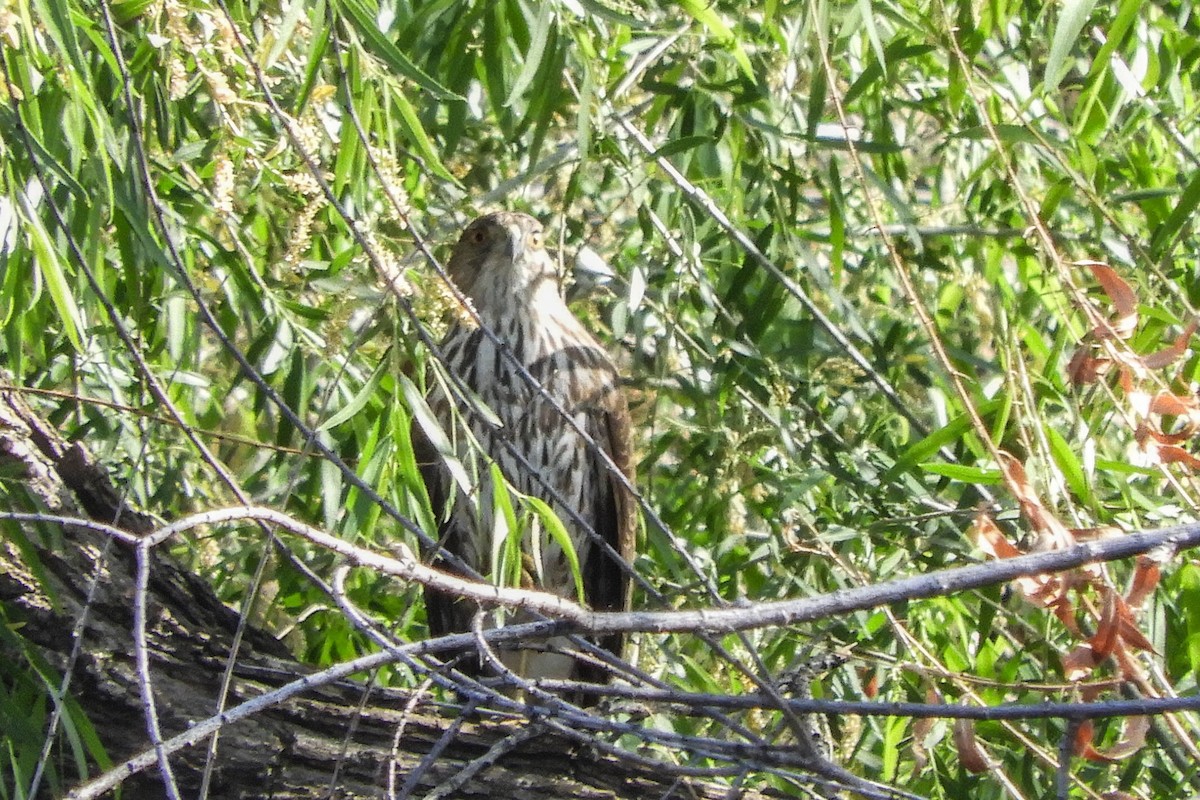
<point>606,581</point>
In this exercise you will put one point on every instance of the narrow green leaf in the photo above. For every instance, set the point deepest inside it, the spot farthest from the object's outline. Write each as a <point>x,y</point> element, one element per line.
<point>382,47</point>
<point>126,11</point>
<point>958,472</point>
<point>1006,133</point>
<point>1069,463</point>
<point>815,109</point>
<point>680,145</point>
<point>55,16</point>
<point>493,70</point>
<point>434,433</point>
<point>946,435</point>
<point>358,401</point>
<point>868,18</point>
<point>315,58</point>
<point>583,122</point>
<point>45,255</point>
<point>533,56</point>
<point>706,15</point>
<point>60,172</point>
<point>418,138</point>
<point>282,34</point>
<point>1127,13</point>
<point>1071,19</point>
<point>601,10</point>
<point>559,534</point>
<point>329,478</point>
<point>506,534</point>
<point>1180,215</point>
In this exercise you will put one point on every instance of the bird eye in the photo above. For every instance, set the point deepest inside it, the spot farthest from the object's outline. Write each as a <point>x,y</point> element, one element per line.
<point>478,236</point>
<point>535,240</point>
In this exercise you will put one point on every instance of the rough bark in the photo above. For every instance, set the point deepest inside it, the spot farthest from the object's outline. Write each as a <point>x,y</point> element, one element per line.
<point>329,737</point>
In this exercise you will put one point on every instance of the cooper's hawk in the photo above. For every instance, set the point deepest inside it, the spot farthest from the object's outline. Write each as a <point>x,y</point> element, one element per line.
<point>500,263</point>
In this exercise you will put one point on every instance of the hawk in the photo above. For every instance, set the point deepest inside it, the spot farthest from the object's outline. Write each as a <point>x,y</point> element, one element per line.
<point>500,263</point>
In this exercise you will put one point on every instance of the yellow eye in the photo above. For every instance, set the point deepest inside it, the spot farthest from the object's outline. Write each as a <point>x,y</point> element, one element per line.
<point>534,240</point>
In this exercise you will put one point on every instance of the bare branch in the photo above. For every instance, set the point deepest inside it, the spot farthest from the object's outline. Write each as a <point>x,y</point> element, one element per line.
<point>574,618</point>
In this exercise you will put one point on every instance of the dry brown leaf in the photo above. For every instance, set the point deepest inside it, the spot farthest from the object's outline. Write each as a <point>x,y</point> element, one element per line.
<point>1079,663</point>
<point>1132,635</point>
<point>1084,368</point>
<point>1127,626</point>
<point>1051,531</point>
<point>1146,575</point>
<point>1082,746</point>
<point>990,539</point>
<point>1172,454</point>
<point>1169,355</point>
<point>1125,379</point>
<point>1145,432</point>
<point>1066,614</point>
<point>1123,299</point>
<point>920,729</point>
<point>1133,738</point>
<point>1174,405</point>
<point>1108,631</point>
<point>871,686</point>
<point>972,755</point>
<point>1046,591</point>
<point>1128,665</point>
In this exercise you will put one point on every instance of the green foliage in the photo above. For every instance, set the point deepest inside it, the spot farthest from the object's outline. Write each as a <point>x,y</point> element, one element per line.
<point>936,142</point>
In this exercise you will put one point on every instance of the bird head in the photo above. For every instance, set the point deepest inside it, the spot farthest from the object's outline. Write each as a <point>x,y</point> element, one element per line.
<point>501,259</point>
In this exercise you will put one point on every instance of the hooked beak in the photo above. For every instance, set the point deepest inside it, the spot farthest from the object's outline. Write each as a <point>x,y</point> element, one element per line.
<point>516,242</point>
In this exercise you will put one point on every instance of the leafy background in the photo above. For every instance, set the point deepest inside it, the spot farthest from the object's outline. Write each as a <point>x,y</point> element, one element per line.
<point>754,204</point>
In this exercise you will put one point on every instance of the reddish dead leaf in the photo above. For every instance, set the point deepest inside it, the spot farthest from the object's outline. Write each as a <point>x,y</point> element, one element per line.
<point>1066,614</point>
<point>1132,635</point>
<point>1133,738</point>
<point>1084,368</point>
<point>1046,591</point>
<point>1117,795</point>
<point>1079,663</point>
<point>920,729</point>
<point>1128,666</point>
<point>1125,379</point>
<point>1172,454</point>
<point>1146,575</point>
<point>1014,470</point>
<point>1152,444</point>
<point>1169,355</point>
<point>1082,746</point>
<point>970,753</point>
<point>871,687</point>
<point>1145,432</point>
<point>1123,299</point>
<point>990,539</point>
<point>1127,626</point>
<point>1174,405</point>
<point>1051,531</point>
<point>1107,630</point>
